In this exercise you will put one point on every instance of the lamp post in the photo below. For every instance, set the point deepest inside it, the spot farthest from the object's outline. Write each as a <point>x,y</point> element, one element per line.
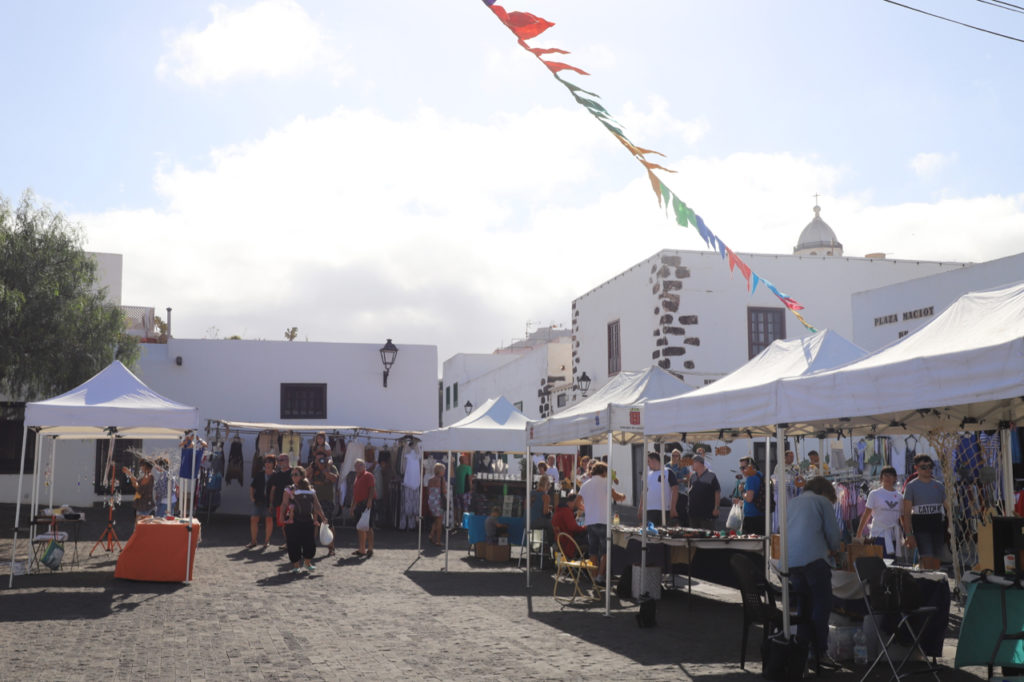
<point>583,383</point>
<point>387,356</point>
<point>469,407</point>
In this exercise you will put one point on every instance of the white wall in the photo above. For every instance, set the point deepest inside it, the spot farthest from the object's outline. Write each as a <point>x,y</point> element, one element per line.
<point>520,377</point>
<point>708,327</point>
<point>881,315</point>
<point>240,380</point>
<point>109,268</point>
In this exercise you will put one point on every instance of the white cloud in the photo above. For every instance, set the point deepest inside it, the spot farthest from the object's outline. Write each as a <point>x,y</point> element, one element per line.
<point>432,230</point>
<point>272,38</point>
<point>927,165</point>
<point>658,121</point>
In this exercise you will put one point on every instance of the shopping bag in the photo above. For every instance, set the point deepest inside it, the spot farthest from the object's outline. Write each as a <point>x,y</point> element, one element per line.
<point>735,520</point>
<point>326,536</point>
<point>364,521</point>
<point>53,555</point>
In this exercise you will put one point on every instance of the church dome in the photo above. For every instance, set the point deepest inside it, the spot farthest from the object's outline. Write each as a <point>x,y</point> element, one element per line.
<point>818,239</point>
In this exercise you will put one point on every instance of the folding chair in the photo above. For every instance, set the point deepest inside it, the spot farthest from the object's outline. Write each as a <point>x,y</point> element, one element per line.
<point>572,570</point>
<point>40,543</point>
<point>869,573</point>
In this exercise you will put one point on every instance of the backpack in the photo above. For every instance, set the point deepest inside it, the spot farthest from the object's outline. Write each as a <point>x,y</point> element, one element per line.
<point>303,501</point>
<point>896,591</point>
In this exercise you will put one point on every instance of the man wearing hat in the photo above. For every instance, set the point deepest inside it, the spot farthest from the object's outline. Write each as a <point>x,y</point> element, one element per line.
<point>705,495</point>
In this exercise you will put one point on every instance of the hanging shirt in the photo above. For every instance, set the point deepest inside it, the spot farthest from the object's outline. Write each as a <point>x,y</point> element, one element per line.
<point>412,469</point>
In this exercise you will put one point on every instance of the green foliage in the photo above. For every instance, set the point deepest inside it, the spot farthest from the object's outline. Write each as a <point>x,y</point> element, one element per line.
<point>55,330</point>
<point>291,333</point>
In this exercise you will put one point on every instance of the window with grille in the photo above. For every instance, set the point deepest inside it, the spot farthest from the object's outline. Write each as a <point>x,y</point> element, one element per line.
<point>764,325</point>
<point>614,349</point>
<point>303,401</point>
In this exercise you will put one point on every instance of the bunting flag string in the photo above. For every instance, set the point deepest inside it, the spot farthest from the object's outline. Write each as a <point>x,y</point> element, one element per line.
<point>527,26</point>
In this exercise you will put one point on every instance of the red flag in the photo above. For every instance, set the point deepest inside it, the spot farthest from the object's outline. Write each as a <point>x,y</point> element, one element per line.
<point>523,24</point>
<point>559,66</point>
<point>734,261</point>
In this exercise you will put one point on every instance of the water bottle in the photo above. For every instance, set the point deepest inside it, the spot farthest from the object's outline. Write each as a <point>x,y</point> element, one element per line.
<point>860,648</point>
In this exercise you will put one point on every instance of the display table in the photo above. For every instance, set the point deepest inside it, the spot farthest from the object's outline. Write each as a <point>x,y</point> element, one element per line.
<point>707,558</point>
<point>994,606</point>
<point>474,525</point>
<point>156,551</point>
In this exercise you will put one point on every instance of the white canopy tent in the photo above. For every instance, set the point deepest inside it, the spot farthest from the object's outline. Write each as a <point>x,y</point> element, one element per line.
<point>966,367</point>
<point>743,403</point>
<point>113,403</point>
<point>495,426</point>
<point>614,413</point>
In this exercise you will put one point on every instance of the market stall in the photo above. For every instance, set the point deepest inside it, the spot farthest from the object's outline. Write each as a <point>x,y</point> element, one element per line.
<point>614,413</point>
<point>112,404</point>
<point>494,426</point>
<point>743,403</point>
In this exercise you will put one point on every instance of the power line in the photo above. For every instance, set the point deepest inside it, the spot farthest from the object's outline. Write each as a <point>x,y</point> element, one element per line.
<point>1009,7</point>
<point>953,21</point>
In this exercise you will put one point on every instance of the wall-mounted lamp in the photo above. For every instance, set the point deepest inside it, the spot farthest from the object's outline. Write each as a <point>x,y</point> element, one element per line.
<point>387,356</point>
<point>583,383</point>
<point>469,407</point>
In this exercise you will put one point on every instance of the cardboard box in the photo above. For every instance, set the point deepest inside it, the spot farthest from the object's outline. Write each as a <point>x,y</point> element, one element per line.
<point>492,552</point>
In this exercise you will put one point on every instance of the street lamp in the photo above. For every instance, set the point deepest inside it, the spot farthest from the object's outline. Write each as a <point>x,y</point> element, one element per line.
<point>469,407</point>
<point>387,356</point>
<point>583,383</point>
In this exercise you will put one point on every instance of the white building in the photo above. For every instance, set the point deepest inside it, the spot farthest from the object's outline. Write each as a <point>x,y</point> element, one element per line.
<point>884,315</point>
<point>530,373</point>
<point>339,384</point>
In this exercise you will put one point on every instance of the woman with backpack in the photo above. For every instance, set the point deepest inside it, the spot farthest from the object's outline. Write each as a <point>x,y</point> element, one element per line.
<point>302,512</point>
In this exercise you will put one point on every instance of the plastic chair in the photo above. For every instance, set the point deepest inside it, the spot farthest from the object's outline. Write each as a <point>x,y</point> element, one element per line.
<point>535,542</point>
<point>572,570</point>
<point>869,572</point>
<point>758,601</point>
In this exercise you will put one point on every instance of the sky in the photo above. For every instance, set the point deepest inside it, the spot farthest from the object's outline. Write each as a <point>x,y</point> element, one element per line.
<point>400,169</point>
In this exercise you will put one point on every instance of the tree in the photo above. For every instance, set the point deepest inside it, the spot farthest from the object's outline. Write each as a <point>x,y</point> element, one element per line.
<point>291,333</point>
<point>56,330</point>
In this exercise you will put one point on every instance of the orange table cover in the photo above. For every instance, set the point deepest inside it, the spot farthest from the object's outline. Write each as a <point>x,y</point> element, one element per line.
<point>156,551</point>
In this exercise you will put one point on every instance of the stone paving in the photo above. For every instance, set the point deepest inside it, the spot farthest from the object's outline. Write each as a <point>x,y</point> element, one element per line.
<point>393,616</point>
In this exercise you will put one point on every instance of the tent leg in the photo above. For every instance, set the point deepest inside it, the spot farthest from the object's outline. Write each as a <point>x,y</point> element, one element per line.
<point>448,510</point>
<point>780,439</point>
<point>526,532</point>
<point>608,532</point>
<point>17,504</point>
<point>643,520</point>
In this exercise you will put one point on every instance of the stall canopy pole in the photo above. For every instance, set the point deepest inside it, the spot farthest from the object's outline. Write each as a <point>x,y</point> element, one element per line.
<point>779,492</point>
<point>448,509</point>
<point>526,532</point>
<point>1006,467</point>
<point>780,438</point>
<point>608,526</point>
<point>643,520</point>
<point>53,470</point>
<point>419,507</point>
<point>17,503</point>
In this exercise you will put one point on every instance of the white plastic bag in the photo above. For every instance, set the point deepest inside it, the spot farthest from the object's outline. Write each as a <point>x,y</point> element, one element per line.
<point>326,536</point>
<point>735,520</point>
<point>364,521</point>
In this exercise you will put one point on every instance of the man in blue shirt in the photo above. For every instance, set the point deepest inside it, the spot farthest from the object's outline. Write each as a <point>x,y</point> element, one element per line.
<point>812,537</point>
<point>753,498</point>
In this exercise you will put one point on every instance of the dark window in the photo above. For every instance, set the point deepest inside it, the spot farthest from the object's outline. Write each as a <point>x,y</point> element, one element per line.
<point>12,427</point>
<point>518,405</point>
<point>303,401</point>
<point>614,349</point>
<point>448,398</point>
<point>123,457</point>
<point>560,400</point>
<point>455,393</point>
<point>764,325</point>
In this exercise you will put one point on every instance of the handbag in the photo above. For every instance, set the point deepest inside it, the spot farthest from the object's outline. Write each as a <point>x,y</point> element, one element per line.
<point>53,556</point>
<point>326,536</point>
<point>364,520</point>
